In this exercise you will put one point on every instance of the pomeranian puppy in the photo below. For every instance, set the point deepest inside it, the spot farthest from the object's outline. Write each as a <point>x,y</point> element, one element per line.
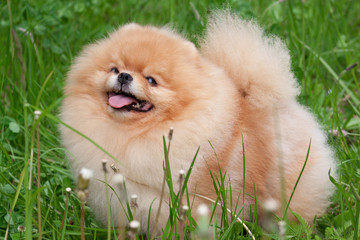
<point>235,97</point>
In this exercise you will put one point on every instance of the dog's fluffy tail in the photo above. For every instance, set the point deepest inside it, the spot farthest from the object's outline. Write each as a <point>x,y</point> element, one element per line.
<point>259,65</point>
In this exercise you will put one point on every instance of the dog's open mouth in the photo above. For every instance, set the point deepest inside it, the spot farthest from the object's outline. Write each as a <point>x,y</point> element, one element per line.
<point>128,102</point>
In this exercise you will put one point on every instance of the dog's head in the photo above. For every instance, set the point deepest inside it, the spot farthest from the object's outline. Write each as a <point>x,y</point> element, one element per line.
<point>139,73</point>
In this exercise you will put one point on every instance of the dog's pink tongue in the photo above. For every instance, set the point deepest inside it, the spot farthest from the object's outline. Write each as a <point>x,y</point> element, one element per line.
<point>119,101</point>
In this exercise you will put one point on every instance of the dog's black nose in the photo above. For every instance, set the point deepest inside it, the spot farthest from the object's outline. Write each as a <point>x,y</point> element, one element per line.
<point>124,78</point>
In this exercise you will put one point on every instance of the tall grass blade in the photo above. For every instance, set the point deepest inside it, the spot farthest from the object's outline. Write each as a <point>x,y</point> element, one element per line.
<point>297,181</point>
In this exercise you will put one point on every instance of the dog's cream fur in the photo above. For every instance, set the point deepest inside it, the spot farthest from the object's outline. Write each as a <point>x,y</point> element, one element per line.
<point>238,86</point>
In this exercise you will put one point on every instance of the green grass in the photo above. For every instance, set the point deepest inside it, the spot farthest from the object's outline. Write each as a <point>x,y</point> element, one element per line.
<point>39,40</point>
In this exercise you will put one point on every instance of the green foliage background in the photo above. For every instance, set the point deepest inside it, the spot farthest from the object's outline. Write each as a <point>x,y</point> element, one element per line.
<point>39,40</point>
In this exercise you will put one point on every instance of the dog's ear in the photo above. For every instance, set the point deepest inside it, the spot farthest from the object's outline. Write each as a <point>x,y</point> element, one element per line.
<point>169,29</point>
<point>128,27</point>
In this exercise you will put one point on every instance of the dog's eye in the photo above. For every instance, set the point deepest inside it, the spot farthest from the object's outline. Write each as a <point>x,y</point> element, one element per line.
<point>114,70</point>
<point>151,80</point>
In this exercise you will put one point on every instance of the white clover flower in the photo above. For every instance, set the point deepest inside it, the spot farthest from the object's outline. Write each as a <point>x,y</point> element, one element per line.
<point>182,172</point>
<point>271,205</point>
<point>118,178</point>
<point>282,229</point>
<point>171,133</point>
<point>134,225</point>
<point>86,173</point>
<point>21,228</point>
<point>37,114</point>
<point>203,210</point>
<point>133,201</point>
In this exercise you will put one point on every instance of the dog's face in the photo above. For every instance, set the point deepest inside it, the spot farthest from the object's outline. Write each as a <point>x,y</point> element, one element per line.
<point>139,73</point>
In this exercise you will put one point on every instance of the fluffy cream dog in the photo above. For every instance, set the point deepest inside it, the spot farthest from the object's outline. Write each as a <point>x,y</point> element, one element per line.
<point>126,91</point>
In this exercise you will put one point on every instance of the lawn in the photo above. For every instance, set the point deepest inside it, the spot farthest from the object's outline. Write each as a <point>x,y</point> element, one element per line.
<point>39,39</point>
